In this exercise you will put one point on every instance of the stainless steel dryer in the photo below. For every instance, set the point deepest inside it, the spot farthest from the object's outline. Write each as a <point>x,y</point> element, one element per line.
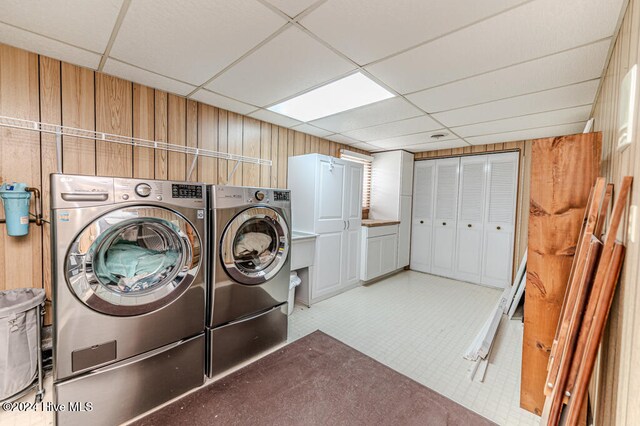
<point>129,294</point>
<point>249,273</point>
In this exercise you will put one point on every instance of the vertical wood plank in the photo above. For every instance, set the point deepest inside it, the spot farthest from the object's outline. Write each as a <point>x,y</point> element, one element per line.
<point>235,146</point>
<point>50,112</point>
<point>299,143</point>
<point>113,115</point>
<point>208,139</point>
<point>161,120</point>
<point>265,154</point>
<point>78,111</point>
<point>177,135</point>
<point>143,128</point>
<point>250,148</point>
<point>324,147</point>
<point>223,145</point>
<point>283,156</point>
<point>192,139</point>
<point>275,166</point>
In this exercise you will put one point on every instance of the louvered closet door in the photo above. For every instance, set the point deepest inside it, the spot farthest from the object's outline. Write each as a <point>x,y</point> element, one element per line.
<point>471,200</point>
<point>500,211</point>
<point>422,217</point>
<point>446,212</point>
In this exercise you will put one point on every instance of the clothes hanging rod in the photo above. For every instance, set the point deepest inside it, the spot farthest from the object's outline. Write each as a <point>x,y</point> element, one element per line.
<point>17,123</point>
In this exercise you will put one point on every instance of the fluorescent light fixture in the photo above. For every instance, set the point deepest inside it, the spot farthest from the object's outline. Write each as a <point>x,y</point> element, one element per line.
<point>347,93</point>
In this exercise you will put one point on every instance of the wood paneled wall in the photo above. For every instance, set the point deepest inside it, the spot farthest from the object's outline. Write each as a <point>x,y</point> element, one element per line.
<point>616,385</point>
<point>524,174</point>
<point>39,88</point>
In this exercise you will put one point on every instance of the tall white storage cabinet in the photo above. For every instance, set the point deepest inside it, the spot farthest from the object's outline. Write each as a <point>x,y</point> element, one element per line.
<point>464,217</point>
<point>391,194</point>
<point>326,199</point>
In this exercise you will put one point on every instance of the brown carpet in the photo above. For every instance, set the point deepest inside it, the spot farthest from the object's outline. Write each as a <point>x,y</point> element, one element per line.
<point>316,380</point>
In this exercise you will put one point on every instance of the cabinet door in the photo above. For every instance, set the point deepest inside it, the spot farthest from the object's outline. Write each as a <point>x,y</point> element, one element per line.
<point>328,258</point>
<point>353,195</point>
<point>404,231</point>
<point>422,217</point>
<point>470,232</point>
<point>374,253</point>
<point>446,209</point>
<point>350,262</point>
<point>331,190</point>
<point>389,253</point>
<point>500,212</point>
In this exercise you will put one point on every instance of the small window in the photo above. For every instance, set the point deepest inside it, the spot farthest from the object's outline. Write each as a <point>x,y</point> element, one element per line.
<point>365,160</point>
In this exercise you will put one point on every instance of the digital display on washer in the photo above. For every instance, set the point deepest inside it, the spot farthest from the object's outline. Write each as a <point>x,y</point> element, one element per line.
<point>280,196</point>
<point>186,191</point>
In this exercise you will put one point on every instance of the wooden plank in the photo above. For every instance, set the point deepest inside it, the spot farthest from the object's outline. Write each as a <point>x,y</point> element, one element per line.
<point>50,112</point>
<point>604,208</point>
<point>250,148</point>
<point>283,156</point>
<point>113,115</point>
<point>298,143</point>
<point>20,258</point>
<point>265,154</point>
<point>235,147</point>
<point>143,128</point>
<point>78,111</point>
<point>177,134</point>
<point>324,147</point>
<point>208,139</point>
<point>223,145</point>
<point>161,120</point>
<point>563,170</point>
<point>274,157</point>
<point>192,139</point>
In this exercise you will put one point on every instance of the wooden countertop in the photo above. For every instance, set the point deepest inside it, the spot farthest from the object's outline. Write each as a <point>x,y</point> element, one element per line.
<point>371,223</point>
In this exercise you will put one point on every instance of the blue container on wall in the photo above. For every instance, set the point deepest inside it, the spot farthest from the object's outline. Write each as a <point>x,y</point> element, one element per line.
<point>16,198</point>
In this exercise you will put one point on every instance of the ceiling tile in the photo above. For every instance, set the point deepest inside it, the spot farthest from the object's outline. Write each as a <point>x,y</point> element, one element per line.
<point>386,111</point>
<point>312,130</point>
<point>292,7</point>
<point>548,100</point>
<point>150,79</point>
<point>367,30</point>
<point>275,118</point>
<point>434,146</point>
<point>48,47</point>
<point>288,64</point>
<point>397,128</point>
<point>87,23</point>
<point>192,41</point>
<point>549,118</point>
<point>417,138</point>
<point>542,132</point>
<point>573,66</point>
<point>365,146</point>
<point>223,102</point>
<point>535,29</point>
<point>342,139</point>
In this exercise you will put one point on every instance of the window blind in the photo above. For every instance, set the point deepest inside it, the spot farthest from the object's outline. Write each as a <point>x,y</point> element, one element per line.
<point>365,160</point>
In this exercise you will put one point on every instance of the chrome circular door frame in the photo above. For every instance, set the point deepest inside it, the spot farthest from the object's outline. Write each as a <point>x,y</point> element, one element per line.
<point>227,243</point>
<point>87,287</point>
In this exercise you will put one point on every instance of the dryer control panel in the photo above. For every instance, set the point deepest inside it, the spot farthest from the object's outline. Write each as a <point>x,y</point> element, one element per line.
<point>234,196</point>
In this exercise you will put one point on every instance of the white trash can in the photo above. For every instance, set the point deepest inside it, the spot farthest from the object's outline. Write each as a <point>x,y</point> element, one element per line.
<point>294,281</point>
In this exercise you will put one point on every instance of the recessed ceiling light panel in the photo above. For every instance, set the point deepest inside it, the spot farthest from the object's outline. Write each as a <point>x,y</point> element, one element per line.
<point>341,95</point>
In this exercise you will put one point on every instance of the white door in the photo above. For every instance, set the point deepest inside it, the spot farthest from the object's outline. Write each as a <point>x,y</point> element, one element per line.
<point>500,211</point>
<point>374,253</point>
<point>470,232</point>
<point>328,258</point>
<point>330,194</point>
<point>422,218</point>
<point>389,253</point>
<point>404,231</point>
<point>445,215</point>
<point>353,221</point>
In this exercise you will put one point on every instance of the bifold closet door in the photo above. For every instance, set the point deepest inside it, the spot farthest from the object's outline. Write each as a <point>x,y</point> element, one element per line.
<point>500,212</point>
<point>422,216</point>
<point>353,222</point>
<point>445,216</point>
<point>470,224</point>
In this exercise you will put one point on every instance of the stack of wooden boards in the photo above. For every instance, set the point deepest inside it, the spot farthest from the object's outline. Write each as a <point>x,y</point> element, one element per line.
<point>594,274</point>
<point>480,348</point>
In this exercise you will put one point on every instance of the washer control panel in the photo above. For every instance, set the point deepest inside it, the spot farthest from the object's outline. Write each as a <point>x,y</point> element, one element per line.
<point>186,191</point>
<point>143,189</point>
<point>234,196</point>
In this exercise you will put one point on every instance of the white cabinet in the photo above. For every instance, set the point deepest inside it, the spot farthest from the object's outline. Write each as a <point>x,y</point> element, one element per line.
<point>464,217</point>
<point>326,199</point>
<point>391,196</point>
<point>379,251</point>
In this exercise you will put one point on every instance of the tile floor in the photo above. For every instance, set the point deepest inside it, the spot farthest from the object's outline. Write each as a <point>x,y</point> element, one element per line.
<point>420,325</point>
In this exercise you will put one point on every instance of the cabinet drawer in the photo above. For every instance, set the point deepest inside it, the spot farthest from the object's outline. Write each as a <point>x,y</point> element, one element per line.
<point>378,231</point>
<point>302,252</point>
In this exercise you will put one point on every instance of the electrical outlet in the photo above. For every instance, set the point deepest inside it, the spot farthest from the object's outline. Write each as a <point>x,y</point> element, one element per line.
<point>633,220</point>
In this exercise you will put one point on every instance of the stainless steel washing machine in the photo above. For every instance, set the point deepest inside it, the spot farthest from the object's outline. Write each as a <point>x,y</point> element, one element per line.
<point>248,279</point>
<point>129,294</point>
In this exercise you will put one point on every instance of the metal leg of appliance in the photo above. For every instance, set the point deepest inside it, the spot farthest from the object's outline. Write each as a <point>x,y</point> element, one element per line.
<point>40,315</point>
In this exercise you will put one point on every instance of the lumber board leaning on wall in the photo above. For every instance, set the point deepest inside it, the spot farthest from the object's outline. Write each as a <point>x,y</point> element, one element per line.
<point>38,88</point>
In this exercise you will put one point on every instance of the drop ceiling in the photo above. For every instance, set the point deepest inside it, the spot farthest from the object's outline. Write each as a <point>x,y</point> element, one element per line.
<point>474,72</point>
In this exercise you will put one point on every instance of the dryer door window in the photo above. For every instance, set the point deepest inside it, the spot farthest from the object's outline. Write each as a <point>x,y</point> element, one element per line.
<point>133,261</point>
<point>255,245</point>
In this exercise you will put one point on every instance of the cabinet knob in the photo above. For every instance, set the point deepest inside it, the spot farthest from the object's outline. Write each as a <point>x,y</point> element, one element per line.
<point>444,223</point>
<point>422,221</point>
<point>469,226</point>
<point>498,228</point>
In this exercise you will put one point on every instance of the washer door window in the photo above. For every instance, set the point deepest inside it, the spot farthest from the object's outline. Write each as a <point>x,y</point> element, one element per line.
<point>133,261</point>
<point>255,245</point>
